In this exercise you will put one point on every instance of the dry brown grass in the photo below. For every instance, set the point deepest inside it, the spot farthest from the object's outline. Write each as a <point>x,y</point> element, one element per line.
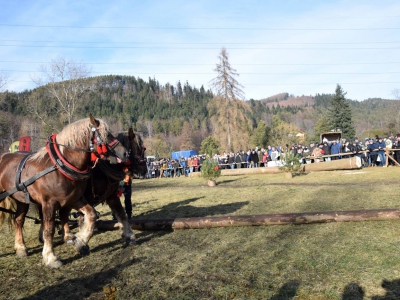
<point>320,261</point>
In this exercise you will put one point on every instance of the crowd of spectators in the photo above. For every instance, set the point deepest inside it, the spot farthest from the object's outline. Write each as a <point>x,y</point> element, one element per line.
<point>371,152</point>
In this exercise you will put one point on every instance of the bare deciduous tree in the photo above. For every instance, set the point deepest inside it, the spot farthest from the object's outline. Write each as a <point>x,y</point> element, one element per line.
<point>44,113</point>
<point>396,93</point>
<point>3,80</point>
<point>63,80</point>
<point>150,128</point>
<point>227,87</point>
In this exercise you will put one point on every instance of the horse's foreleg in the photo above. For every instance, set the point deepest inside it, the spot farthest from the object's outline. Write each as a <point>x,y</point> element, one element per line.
<point>86,228</point>
<point>127,234</point>
<point>20,214</point>
<point>68,236</point>
<point>49,257</point>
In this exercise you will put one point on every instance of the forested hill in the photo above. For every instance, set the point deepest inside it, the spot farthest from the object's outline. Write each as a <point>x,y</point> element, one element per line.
<point>115,96</point>
<point>164,109</point>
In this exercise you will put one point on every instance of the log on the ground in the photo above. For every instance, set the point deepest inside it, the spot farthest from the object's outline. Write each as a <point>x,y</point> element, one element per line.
<point>256,220</point>
<point>244,171</point>
<point>339,164</point>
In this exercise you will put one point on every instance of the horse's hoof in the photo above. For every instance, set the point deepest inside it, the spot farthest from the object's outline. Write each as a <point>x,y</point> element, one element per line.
<point>55,264</point>
<point>70,242</point>
<point>130,242</point>
<point>85,250</point>
<point>21,253</point>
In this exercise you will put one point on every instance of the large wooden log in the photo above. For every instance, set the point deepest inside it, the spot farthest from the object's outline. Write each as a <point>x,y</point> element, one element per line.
<point>340,164</point>
<point>257,220</point>
<point>244,171</point>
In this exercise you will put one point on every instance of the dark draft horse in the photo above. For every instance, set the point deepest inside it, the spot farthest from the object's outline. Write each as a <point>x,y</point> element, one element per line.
<point>103,186</point>
<point>76,145</point>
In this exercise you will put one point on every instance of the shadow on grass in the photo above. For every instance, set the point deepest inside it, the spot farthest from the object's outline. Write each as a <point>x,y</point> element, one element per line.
<point>392,290</point>
<point>228,180</point>
<point>287,291</point>
<point>353,291</point>
<point>300,174</point>
<point>82,287</point>
<point>182,209</point>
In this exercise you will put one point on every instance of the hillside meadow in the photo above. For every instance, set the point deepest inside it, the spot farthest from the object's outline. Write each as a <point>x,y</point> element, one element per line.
<point>354,260</point>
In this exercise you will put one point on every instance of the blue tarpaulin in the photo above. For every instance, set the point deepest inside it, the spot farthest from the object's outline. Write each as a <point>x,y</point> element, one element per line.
<point>184,153</point>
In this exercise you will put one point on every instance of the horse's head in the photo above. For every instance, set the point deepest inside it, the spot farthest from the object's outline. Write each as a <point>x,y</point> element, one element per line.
<point>136,152</point>
<point>104,145</point>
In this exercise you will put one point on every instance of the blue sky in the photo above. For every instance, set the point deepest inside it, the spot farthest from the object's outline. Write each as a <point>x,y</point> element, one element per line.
<point>299,47</point>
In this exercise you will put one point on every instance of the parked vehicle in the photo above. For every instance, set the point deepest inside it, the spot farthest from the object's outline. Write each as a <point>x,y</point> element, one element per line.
<point>330,136</point>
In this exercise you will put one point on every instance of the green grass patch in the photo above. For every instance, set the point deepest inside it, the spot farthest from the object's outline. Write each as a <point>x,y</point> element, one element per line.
<point>354,260</point>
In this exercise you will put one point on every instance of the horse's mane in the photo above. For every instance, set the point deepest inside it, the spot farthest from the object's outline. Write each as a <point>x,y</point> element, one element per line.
<point>75,135</point>
<point>139,139</point>
<point>123,138</point>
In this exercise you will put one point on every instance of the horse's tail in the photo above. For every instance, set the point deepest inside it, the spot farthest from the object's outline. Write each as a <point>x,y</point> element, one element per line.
<point>9,204</point>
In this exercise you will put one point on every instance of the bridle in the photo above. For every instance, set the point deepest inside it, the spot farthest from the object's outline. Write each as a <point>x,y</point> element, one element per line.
<point>139,158</point>
<point>101,150</point>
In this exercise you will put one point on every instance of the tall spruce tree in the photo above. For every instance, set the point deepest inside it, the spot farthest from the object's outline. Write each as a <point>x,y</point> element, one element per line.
<point>321,126</point>
<point>260,135</point>
<point>227,87</point>
<point>340,114</point>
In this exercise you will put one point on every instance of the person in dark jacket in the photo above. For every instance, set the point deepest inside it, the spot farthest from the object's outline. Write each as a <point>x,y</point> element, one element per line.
<point>253,159</point>
<point>238,160</point>
<point>127,191</point>
<point>396,145</point>
<point>327,151</point>
<point>373,153</point>
<point>231,160</point>
<point>355,149</point>
<point>381,145</point>
<point>243,159</point>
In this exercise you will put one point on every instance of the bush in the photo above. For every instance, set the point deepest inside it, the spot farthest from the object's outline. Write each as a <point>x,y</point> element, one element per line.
<point>210,169</point>
<point>291,163</point>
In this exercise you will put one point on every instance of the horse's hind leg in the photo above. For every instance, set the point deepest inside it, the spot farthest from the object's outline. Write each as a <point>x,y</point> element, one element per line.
<point>49,258</point>
<point>86,227</point>
<point>68,236</point>
<point>22,210</point>
<point>119,212</point>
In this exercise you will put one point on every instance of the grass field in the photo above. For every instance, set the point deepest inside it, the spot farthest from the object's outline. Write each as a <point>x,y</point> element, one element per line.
<point>354,260</point>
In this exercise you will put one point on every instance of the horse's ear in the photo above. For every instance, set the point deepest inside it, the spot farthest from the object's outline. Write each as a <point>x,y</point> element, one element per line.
<point>131,134</point>
<point>93,121</point>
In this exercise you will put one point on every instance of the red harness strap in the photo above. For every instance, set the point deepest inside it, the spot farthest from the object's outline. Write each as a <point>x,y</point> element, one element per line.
<point>65,167</point>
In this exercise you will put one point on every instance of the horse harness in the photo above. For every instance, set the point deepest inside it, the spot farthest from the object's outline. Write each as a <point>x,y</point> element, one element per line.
<point>60,164</point>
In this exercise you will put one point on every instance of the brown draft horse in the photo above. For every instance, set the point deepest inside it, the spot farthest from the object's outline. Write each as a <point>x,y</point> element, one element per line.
<point>55,190</point>
<point>103,186</point>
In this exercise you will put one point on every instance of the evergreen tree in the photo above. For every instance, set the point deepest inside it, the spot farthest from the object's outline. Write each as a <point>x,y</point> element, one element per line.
<point>179,92</point>
<point>260,135</point>
<point>321,126</point>
<point>227,87</point>
<point>340,114</point>
<point>210,146</point>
